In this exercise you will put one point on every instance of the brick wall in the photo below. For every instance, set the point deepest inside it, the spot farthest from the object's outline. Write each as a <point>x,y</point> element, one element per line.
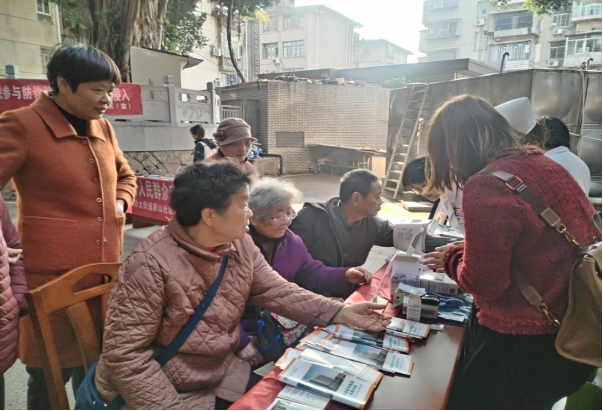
<point>327,114</point>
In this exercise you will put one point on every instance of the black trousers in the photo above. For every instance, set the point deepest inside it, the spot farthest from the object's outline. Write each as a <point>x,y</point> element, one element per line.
<point>504,371</point>
<point>37,392</point>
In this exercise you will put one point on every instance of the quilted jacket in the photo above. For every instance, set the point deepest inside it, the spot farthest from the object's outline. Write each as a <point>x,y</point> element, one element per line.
<point>159,286</point>
<point>12,291</point>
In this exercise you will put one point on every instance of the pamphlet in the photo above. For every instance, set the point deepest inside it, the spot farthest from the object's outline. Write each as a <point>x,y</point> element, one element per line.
<point>402,328</point>
<point>386,342</point>
<point>322,380</point>
<point>362,371</point>
<point>287,357</point>
<point>283,404</point>
<point>317,402</point>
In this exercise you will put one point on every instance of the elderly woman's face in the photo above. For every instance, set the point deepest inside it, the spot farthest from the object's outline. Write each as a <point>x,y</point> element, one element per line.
<point>237,150</point>
<point>234,223</point>
<point>278,222</point>
<point>89,101</point>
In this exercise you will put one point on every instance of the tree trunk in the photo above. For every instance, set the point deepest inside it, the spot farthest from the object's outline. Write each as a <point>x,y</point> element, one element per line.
<point>229,38</point>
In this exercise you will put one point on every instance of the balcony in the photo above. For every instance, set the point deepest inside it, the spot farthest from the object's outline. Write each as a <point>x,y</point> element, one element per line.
<point>516,24</point>
<point>576,60</point>
<point>587,10</point>
<point>518,64</point>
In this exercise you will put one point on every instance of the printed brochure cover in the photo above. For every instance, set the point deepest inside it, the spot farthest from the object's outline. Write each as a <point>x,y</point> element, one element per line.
<point>384,341</point>
<point>403,328</point>
<point>306,398</point>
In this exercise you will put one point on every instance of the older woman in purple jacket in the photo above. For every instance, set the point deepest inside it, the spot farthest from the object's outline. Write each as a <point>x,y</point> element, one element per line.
<point>271,203</point>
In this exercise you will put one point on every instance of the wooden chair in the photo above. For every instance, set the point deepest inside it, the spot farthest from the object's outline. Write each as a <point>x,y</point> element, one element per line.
<point>58,295</point>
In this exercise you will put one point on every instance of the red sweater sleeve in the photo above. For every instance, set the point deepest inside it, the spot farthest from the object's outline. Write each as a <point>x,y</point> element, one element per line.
<point>492,227</point>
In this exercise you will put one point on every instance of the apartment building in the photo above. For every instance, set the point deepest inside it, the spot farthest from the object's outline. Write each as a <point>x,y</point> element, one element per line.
<point>484,31</point>
<point>380,52</point>
<point>29,29</point>
<point>302,38</point>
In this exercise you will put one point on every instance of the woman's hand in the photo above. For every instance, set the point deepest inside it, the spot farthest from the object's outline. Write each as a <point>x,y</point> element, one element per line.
<point>363,315</point>
<point>13,255</point>
<point>358,275</point>
<point>119,206</point>
<point>435,260</point>
<point>250,354</point>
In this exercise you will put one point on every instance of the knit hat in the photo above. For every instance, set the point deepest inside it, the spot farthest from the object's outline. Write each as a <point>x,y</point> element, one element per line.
<point>231,130</point>
<point>519,114</point>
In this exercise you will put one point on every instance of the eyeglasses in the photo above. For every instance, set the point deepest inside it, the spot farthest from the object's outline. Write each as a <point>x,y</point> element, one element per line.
<point>284,219</point>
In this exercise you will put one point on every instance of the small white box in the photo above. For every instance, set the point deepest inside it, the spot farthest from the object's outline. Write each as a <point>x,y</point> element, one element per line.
<point>438,283</point>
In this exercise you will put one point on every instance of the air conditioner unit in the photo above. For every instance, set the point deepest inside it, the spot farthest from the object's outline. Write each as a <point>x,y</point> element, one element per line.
<point>480,22</point>
<point>553,63</point>
<point>557,32</point>
<point>217,83</point>
<point>276,60</point>
<point>216,51</point>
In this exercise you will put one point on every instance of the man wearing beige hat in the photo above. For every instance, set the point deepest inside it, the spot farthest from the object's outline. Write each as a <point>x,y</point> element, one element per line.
<point>234,142</point>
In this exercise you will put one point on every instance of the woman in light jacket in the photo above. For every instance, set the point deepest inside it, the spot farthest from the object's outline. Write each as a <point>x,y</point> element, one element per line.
<point>167,275</point>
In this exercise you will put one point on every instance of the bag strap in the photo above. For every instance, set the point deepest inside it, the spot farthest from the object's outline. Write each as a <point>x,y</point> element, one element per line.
<point>168,352</point>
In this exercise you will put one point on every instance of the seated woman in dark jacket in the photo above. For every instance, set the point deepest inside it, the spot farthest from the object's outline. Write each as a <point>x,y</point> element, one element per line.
<point>271,203</point>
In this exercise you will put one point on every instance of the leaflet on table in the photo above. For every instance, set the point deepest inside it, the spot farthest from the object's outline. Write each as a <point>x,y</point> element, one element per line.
<point>287,357</point>
<point>373,339</point>
<point>282,404</point>
<point>296,395</point>
<point>320,340</point>
<point>384,360</point>
<point>319,379</point>
<point>362,371</point>
<point>401,328</point>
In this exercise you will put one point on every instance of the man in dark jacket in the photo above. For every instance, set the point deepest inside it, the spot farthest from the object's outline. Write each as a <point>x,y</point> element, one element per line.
<point>342,231</point>
<point>204,147</point>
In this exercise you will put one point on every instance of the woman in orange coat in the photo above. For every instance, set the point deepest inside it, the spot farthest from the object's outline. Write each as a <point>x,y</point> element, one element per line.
<point>74,186</point>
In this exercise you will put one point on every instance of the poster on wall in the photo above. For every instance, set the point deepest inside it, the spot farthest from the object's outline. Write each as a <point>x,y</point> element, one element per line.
<point>17,93</point>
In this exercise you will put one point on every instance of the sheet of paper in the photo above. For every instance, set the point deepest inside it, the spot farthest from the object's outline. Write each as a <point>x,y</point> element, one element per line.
<point>398,363</point>
<point>354,368</point>
<point>391,342</point>
<point>304,397</point>
<point>287,357</point>
<point>283,404</point>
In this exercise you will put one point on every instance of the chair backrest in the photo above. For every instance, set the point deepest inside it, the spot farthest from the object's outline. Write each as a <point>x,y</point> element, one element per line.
<point>57,295</point>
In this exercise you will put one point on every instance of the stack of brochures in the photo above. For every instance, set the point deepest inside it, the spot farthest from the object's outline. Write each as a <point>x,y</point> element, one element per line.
<point>407,329</point>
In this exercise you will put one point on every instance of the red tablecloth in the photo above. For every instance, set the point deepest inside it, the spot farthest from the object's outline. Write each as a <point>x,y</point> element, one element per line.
<point>428,387</point>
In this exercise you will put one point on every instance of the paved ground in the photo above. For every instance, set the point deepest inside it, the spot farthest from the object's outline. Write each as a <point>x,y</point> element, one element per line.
<point>314,187</point>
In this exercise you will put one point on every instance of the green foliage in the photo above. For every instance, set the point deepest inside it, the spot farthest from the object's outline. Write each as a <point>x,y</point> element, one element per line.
<point>247,8</point>
<point>544,7</point>
<point>182,27</point>
<point>76,17</point>
<point>396,82</point>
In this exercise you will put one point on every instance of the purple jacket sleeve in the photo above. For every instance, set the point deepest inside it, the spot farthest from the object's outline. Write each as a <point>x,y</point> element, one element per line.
<point>244,338</point>
<point>17,271</point>
<point>313,275</point>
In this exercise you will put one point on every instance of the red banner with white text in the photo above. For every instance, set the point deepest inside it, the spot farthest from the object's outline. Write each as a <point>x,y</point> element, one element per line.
<point>127,97</point>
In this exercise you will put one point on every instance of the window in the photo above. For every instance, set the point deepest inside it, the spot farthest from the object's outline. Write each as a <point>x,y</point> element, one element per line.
<point>44,56</point>
<point>556,50</point>
<point>269,50</point>
<point>511,21</point>
<point>272,25</point>
<point>441,4</point>
<point>483,7</point>
<point>293,22</point>
<point>586,8</point>
<point>293,48</point>
<point>561,20</point>
<point>444,29</point>
<point>480,41</point>
<point>589,43</point>
<point>290,139</point>
<point>43,7</point>
<point>517,51</point>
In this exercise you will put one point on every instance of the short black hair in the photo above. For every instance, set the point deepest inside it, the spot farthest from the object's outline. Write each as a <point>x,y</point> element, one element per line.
<point>80,63</point>
<point>356,181</point>
<point>537,136</point>
<point>205,185</point>
<point>416,172</point>
<point>198,130</point>
<point>558,134</point>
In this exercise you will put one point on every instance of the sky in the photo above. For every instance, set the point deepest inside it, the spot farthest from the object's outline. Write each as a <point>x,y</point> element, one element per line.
<point>398,21</point>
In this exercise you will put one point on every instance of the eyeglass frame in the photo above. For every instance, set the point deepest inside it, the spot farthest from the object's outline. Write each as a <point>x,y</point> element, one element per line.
<point>286,218</point>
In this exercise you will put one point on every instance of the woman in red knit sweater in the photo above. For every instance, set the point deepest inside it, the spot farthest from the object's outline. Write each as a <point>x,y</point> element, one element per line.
<point>512,361</point>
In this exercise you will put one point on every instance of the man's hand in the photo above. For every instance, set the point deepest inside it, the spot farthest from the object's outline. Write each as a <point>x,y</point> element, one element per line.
<point>13,255</point>
<point>250,354</point>
<point>119,206</point>
<point>435,260</point>
<point>363,315</point>
<point>358,275</point>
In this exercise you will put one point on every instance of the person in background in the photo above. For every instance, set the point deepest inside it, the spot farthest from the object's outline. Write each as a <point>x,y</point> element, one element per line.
<point>234,141</point>
<point>551,134</point>
<point>557,147</point>
<point>204,147</point>
<point>74,186</point>
<point>12,294</point>
<point>271,203</point>
<point>165,278</point>
<point>342,231</point>
<point>449,205</point>
<point>511,361</point>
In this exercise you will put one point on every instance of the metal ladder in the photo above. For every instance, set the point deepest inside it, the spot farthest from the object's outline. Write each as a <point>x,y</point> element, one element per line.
<point>405,138</point>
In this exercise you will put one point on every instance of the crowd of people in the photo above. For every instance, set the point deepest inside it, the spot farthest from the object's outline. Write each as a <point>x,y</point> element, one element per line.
<point>241,234</point>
